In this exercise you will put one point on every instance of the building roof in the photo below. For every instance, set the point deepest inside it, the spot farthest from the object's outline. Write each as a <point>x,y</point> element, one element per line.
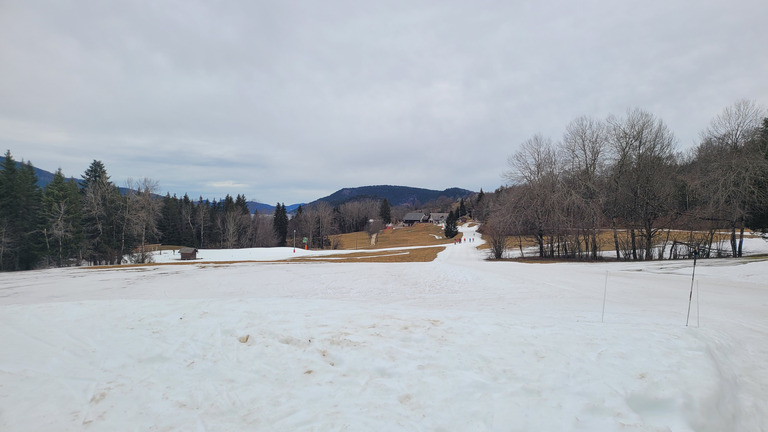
<point>438,216</point>
<point>414,217</point>
<point>186,250</point>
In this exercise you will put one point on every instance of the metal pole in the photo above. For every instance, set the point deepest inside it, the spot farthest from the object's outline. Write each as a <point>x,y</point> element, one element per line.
<point>690,295</point>
<point>294,241</point>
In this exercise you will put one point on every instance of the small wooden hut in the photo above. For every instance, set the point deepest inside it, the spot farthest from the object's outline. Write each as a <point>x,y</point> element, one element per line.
<point>188,253</point>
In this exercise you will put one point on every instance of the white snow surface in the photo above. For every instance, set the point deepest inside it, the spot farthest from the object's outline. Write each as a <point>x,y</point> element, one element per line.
<point>457,344</point>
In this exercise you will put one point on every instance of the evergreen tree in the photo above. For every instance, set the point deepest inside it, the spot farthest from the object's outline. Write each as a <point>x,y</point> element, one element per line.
<point>241,204</point>
<point>170,221</point>
<point>758,218</point>
<point>21,221</point>
<point>62,210</point>
<point>31,220</point>
<point>462,209</point>
<point>280,224</point>
<point>214,217</point>
<point>480,207</point>
<point>451,230</point>
<point>9,241</point>
<point>104,218</point>
<point>95,173</point>
<point>187,214</point>
<point>385,211</point>
<point>202,210</point>
<point>228,223</point>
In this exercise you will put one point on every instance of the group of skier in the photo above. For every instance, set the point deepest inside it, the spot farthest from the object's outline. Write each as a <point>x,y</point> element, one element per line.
<point>463,240</point>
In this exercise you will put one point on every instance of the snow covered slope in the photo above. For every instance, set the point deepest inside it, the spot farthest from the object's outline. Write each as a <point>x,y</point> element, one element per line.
<point>458,344</point>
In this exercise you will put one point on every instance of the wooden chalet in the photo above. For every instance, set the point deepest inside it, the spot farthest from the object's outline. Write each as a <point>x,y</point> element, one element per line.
<point>438,218</point>
<point>412,218</point>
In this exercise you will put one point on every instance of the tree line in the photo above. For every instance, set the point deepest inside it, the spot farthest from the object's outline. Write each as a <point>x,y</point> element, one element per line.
<point>94,222</point>
<point>623,177</point>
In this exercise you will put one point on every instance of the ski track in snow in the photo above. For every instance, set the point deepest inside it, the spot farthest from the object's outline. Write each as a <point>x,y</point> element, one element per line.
<point>456,344</point>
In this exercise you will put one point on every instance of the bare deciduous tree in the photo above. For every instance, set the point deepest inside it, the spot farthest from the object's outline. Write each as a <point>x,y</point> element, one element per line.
<point>585,151</point>
<point>322,213</point>
<point>535,170</point>
<point>729,167</point>
<point>143,211</point>
<point>354,215</point>
<point>643,166</point>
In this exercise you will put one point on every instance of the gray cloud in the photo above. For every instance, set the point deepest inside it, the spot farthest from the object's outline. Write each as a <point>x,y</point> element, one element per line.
<point>289,101</point>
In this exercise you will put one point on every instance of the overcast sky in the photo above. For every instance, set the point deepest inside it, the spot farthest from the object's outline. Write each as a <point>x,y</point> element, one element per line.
<point>292,100</point>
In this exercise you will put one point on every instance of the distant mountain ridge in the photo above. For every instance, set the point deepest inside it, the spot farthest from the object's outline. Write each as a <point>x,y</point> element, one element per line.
<point>43,177</point>
<point>396,195</point>
<point>255,206</point>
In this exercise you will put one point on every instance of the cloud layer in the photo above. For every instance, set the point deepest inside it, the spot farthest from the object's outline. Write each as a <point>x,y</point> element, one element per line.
<point>290,101</point>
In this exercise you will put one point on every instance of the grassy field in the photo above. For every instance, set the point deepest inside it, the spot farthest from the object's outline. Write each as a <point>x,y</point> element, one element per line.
<point>405,237</point>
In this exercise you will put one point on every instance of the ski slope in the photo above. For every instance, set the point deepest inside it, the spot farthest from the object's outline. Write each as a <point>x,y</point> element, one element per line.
<point>457,344</point>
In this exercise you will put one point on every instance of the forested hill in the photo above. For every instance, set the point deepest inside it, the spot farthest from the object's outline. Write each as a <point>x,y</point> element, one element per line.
<point>396,195</point>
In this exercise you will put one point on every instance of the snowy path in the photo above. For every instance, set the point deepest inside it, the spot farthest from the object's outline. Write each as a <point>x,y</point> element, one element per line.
<point>456,344</point>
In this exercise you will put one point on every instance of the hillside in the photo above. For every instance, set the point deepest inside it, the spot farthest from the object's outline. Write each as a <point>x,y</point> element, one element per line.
<point>43,177</point>
<point>396,195</point>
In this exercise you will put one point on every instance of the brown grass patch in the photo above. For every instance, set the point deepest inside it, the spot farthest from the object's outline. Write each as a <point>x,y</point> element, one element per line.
<point>417,235</point>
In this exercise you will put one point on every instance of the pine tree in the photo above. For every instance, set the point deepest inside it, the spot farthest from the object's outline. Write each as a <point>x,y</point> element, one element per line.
<point>202,210</point>
<point>104,217</point>
<point>214,217</point>
<point>170,221</point>
<point>241,204</point>
<point>385,211</point>
<point>95,173</point>
<point>462,209</point>
<point>187,214</point>
<point>451,230</point>
<point>21,222</point>
<point>280,224</point>
<point>10,232</point>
